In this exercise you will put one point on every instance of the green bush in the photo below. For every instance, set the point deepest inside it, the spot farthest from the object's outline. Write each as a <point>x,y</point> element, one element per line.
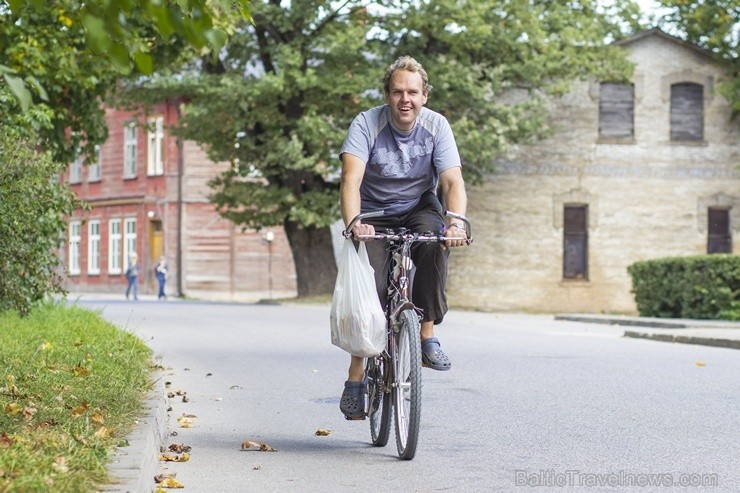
<point>33,206</point>
<point>699,287</point>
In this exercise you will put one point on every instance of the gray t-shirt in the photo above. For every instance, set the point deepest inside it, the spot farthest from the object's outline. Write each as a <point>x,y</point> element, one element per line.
<point>400,166</point>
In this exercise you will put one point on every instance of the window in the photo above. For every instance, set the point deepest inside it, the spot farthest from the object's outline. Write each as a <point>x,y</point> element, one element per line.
<point>75,240</point>
<point>687,112</point>
<point>129,238</point>
<point>94,171</point>
<point>93,247</point>
<point>719,239</point>
<point>130,135</point>
<point>616,111</point>
<point>155,146</point>
<point>575,242</point>
<point>114,246</point>
<point>75,170</point>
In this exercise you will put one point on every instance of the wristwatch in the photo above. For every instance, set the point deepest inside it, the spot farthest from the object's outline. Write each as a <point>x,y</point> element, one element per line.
<point>457,225</point>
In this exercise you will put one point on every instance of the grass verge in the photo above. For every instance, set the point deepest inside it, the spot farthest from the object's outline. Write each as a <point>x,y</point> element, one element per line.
<point>71,387</point>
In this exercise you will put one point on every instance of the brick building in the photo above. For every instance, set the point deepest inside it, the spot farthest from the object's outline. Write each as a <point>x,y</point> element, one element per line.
<point>633,171</point>
<point>148,194</point>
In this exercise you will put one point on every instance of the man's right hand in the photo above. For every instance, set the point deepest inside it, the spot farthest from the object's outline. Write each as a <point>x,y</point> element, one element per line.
<point>362,229</point>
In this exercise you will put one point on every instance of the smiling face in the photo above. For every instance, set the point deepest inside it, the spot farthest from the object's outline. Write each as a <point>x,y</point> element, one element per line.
<point>405,97</point>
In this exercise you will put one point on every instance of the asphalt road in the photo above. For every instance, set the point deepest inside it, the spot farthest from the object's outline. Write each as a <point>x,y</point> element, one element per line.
<point>531,404</point>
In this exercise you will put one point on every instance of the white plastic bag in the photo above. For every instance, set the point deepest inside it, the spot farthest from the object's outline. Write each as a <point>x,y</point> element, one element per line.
<point>357,319</point>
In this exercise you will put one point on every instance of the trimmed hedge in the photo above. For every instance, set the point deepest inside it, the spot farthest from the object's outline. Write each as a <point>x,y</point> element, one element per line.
<point>699,287</point>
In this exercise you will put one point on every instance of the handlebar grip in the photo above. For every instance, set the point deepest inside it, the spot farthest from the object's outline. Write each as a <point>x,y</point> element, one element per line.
<point>348,232</point>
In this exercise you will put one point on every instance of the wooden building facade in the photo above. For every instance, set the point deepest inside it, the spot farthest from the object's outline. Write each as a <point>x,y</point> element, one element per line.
<point>148,194</point>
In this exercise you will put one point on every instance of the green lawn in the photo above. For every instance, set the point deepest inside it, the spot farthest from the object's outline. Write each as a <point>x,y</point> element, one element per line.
<point>71,387</point>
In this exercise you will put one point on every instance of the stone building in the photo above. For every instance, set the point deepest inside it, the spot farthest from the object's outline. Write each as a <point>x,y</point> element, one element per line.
<point>633,171</point>
<point>148,194</point>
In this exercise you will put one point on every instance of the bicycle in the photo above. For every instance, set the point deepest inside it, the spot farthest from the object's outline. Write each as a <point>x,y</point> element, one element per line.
<point>394,376</point>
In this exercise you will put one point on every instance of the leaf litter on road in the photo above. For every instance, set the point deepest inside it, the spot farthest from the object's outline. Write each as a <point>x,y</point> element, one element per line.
<point>262,447</point>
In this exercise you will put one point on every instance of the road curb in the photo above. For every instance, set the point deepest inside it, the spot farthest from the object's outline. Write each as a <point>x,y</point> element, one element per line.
<point>703,341</point>
<point>134,466</point>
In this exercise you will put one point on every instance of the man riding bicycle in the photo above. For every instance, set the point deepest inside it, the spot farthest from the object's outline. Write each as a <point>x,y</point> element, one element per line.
<point>394,158</point>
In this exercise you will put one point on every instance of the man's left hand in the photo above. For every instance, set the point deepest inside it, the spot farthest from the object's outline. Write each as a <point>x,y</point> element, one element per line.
<point>455,236</point>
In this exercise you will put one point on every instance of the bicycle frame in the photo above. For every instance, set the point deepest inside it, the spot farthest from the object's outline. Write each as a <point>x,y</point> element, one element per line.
<point>400,363</point>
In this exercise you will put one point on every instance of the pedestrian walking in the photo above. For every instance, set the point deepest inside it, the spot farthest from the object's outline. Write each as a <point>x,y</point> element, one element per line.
<point>132,276</point>
<point>161,271</point>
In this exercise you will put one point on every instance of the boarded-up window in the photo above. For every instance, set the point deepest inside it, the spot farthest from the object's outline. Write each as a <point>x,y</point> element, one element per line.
<point>719,239</point>
<point>687,112</point>
<point>616,111</point>
<point>575,242</point>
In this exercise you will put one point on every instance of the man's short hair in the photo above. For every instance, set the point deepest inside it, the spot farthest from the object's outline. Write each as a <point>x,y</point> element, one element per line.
<point>406,63</point>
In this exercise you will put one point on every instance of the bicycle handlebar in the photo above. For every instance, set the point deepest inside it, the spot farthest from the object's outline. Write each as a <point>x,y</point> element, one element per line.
<point>422,237</point>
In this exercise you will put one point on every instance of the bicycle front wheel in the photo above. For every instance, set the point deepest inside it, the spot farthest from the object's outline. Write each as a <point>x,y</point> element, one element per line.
<point>407,389</point>
<point>379,401</point>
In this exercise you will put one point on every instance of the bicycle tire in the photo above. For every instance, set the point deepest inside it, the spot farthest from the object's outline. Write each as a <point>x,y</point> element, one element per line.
<point>407,392</point>
<point>379,403</point>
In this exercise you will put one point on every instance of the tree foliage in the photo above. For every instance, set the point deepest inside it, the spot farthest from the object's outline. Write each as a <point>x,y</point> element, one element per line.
<point>278,103</point>
<point>67,55</point>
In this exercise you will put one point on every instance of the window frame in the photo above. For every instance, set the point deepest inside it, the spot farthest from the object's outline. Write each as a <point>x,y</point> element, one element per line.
<point>681,131</point>
<point>74,248</point>
<point>129,239</point>
<point>577,236</point>
<point>130,149</point>
<point>115,246</point>
<point>155,146</point>
<point>75,170</point>
<point>94,169</point>
<point>719,242</point>
<point>608,108</point>
<point>93,246</point>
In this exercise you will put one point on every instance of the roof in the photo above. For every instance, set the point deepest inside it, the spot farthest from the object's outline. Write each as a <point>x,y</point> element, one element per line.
<point>657,32</point>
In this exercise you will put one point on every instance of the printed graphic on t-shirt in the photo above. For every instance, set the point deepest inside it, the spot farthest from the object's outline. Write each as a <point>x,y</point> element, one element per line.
<point>391,163</point>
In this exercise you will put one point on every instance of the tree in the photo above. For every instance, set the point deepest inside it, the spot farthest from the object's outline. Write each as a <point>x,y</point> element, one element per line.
<point>714,26</point>
<point>58,62</point>
<point>278,103</point>
<point>68,55</point>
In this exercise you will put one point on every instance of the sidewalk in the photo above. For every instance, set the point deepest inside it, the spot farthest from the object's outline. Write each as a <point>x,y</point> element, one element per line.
<point>716,333</point>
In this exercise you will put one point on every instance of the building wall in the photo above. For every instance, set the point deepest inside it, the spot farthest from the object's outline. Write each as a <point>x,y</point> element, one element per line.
<point>208,257</point>
<point>646,199</point>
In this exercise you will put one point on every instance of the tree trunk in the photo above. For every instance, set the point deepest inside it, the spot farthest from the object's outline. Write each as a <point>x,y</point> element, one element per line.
<point>313,254</point>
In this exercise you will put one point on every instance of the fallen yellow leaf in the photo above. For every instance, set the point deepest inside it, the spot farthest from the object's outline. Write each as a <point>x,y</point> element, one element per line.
<point>97,417</point>
<point>171,483</point>
<point>263,447</point>
<point>322,432</point>
<point>164,475</point>
<point>104,432</point>
<point>12,408</point>
<point>80,410</point>
<point>700,363</point>
<point>28,412</point>
<point>179,448</point>
<point>174,458</point>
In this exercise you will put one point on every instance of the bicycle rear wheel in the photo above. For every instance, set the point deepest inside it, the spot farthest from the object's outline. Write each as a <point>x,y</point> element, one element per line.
<point>407,391</point>
<point>379,401</point>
